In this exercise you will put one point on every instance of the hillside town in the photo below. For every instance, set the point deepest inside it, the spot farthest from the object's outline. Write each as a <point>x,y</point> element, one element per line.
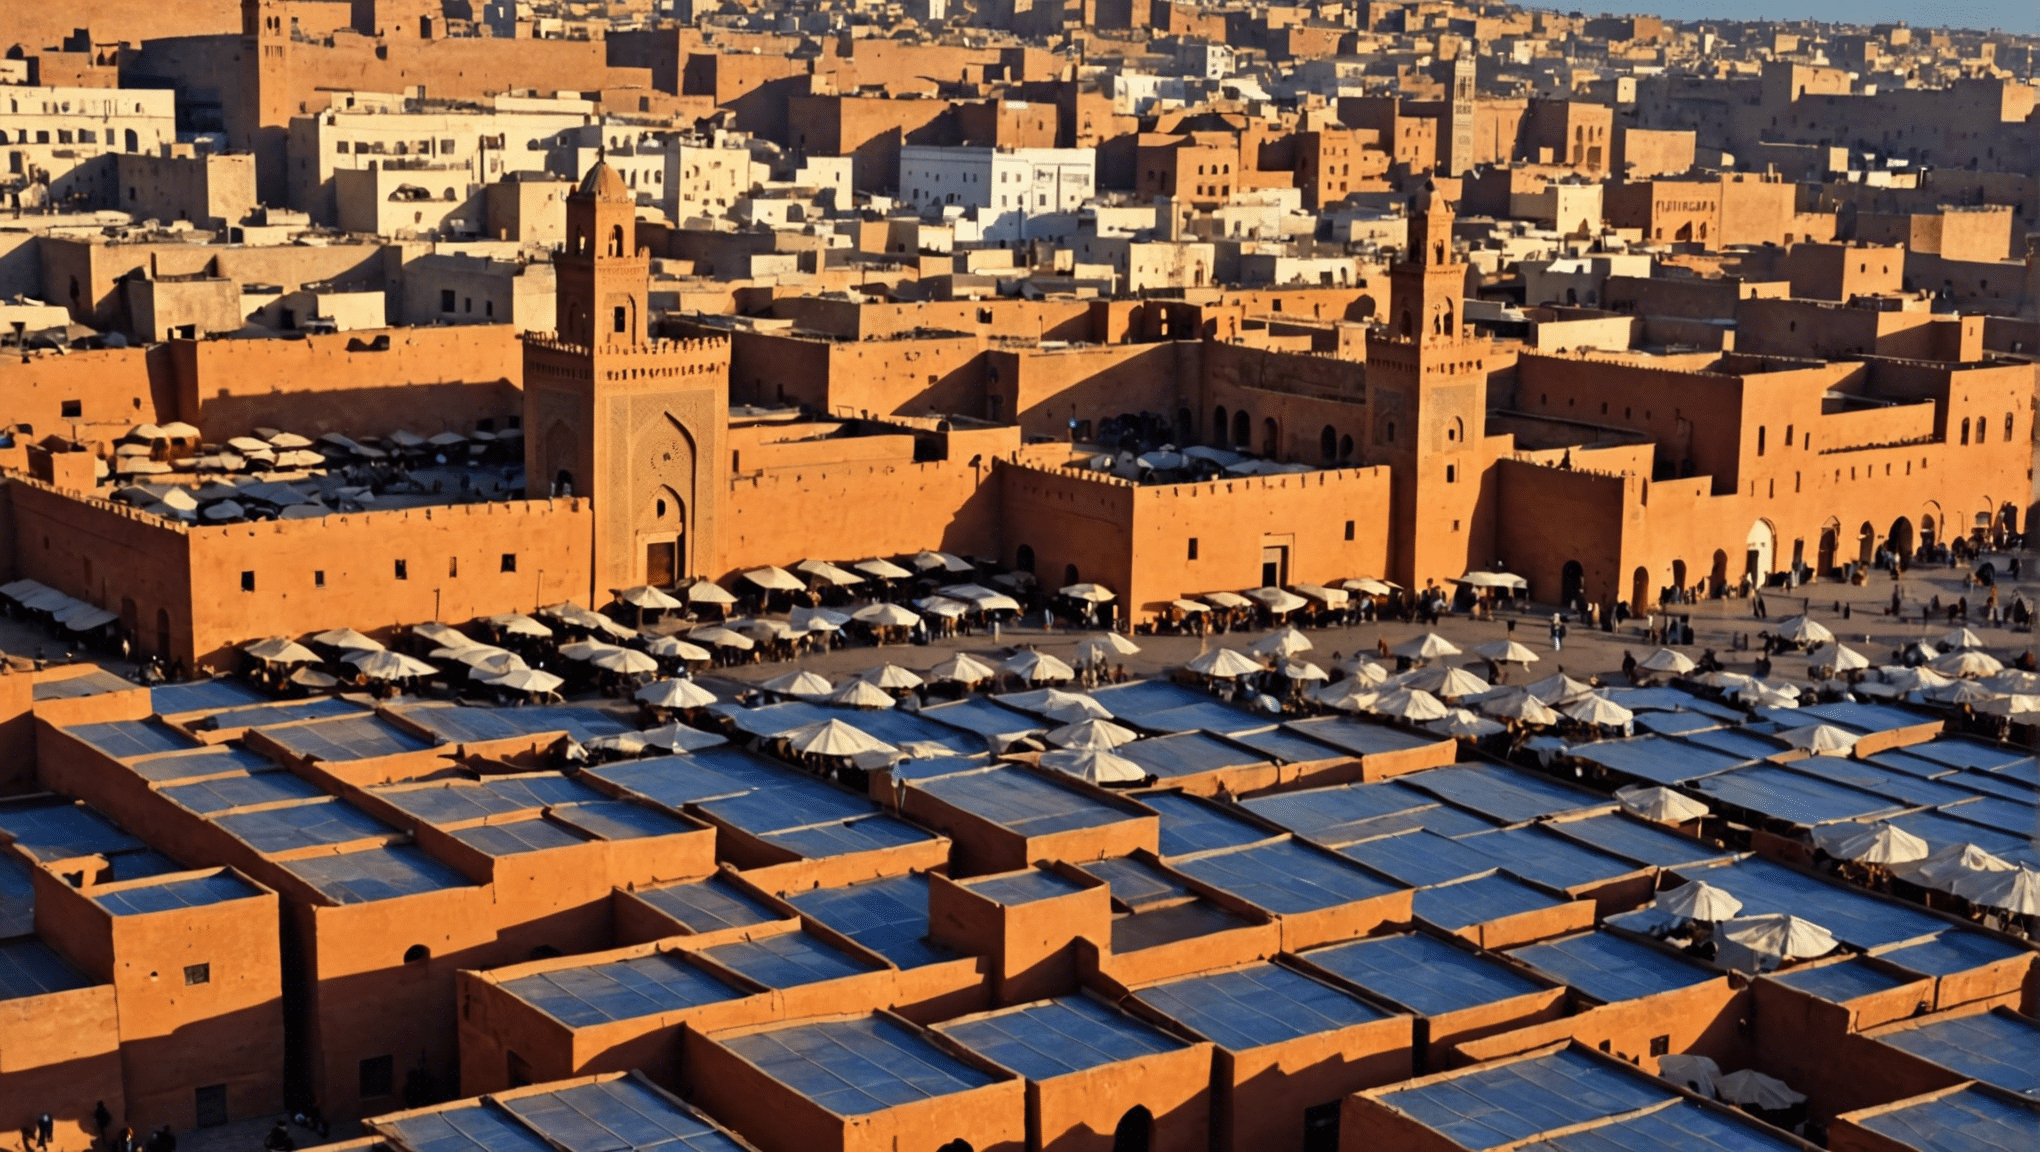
<point>1019,575</point>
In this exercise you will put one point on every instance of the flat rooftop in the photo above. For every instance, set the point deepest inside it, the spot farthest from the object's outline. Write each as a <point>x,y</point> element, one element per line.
<point>620,990</point>
<point>1491,1105</point>
<point>1257,1005</point>
<point>1422,973</point>
<point>856,1067</point>
<point>888,916</point>
<point>1612,968</point>
<point>1057,1037</point>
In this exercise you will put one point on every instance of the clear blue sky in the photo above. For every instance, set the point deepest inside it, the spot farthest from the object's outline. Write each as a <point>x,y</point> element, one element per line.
<point>2011,15</point>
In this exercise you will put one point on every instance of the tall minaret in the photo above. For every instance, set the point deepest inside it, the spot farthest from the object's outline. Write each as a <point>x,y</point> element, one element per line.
<point>1427,391</point>
<point>633,424</point>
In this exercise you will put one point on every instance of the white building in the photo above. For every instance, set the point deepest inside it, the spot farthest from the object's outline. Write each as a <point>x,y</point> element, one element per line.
<point>1004,186</point>
<point>58,141</point>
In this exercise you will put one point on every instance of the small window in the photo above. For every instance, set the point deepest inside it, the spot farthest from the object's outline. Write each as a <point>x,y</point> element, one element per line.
<point>319,578</point>
<point>247,581</point>
<point>1660,1045</point>
<point>403,570</point>
<point>509,561</point>
<point>209,1105</point>
<point>452,566</point>
<point>378,1077</point>
<point>73,409</point>
<point>446,300</point>
<point>195,974</point>
<point>1193,548</point>
<point>1349,529</point>
<point>1452,473</point>
<point>619,319</point>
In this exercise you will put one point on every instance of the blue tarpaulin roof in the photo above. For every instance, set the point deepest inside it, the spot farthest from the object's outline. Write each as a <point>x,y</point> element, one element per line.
<point>195,892</point>
<point>1492,1105</point>
<point>1955,950</point>
<point>1023,802</point>
<point>617,1116</point>
<point>1056,1037</point>
<point>1967,1120</point>
<point>1853,916</point>
<point>1794,797</point>
<point>325,821</point>
<point>126,739</point>
<point>1464,903</point>
<point>203,696</point>
<point>1360,737</point>
<point>213,761</point>
<point>788,960</point>
<point>223,792</point>
<point>60,831</point>
<point>1192,825</point>
<point>1187,754</point>
<point>1637,840</point>
<point>1420,858</point>
<point>352,738</point>
<point>97,682</point>
<point>1685,1126</point>
<point>1998,1047</point>
<point>1612,968</point>
<point>376,874</point>
<point>620,990</point>
<point>1422,973</point>
<point>1508,795</point>
<point>1542,856</point>
<point>1657,759</point>
<point>464,724</point>
<point>708,905</point>
<point>480,1127</point>
<point>1288,878</point>
<point>856,1067</point>
<point>30,968</point>
<point>1015,888</point>
<point>1839,982</point>
<point>1257,1005</point>
<point>518,837</point>
<point>1138,698</point>
<point>888,916</point>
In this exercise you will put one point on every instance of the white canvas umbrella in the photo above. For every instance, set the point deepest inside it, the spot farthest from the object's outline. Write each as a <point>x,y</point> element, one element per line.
<point>1429,646</point>
<point>346,640</point>
<point>1089,593</point>
<point>1666,660</point>
<point>1821,739</point>
<point>1287,642</point>
<point>801,683</point>
<point>1092,733</point>
<point>861,694</point>
<point>1346,695</point>
<point>708,592</point>
<point>1957,638</point>
<point>804,619</point>
<point>1119,645</point>
<point>882,569</point>
<point>1749,1086</point>
<point>2010,705</point>
<point>1409,704</point>
<point>1277,599</point>
<point>281,650</point>
<point>390,666</point>
<point>1228,600</point>
<point>1189,607</point>
<point>774,579</point>
<point>442,635</point>
<point>1698,900</point>
<point>885,616</point>
<point>1446,683</point>
<point>1695,1073</point>
<point>1302,670</point>
<point>1801,630</point>
<point>518,624</point>
<point>1848,660</point>
<point>1594,708</point>
<point>2014,680</point>
<point>833,737</point>
<point>1365,670</point>
<point>312,678</point>
<point>1506,652</point>
<point>1095,765</point>
<point>1465,725</point>
<point>1779,936</point>
<point>723,638</point>
<point>1971,692</point>
<point>674,648</point>
<point>1518,704</point>
<point>1039,667</point>
<point>530,680</point>
<point>828,573</point>
<point>962,668</point>
<point>1968,662</point>
<point>680,738</point>
<point>931,561</point>
<point>488,661</point>
<point>648,597</point>
<point>675,694</point>
<point>586,649</point>
<point>1223,664</point>
<point>1057,704</point>
<point>2016,890</point>
<point>1952,866</point>
<point>1879,843</point>
<point>892,676</point>
<point>1662,805</point>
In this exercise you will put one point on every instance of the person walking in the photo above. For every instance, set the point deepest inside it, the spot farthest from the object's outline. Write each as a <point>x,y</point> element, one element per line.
<point>1557,633</point>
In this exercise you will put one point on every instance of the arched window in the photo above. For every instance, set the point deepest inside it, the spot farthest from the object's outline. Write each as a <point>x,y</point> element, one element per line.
<point>1328,443</point>
<point>2008,427</point>
<point>1965,431</point>
<point>1070,575</point>
<point>1345,448</point>
<point>616,240</point>
<point>1242,430</point>
<point>416,954</point>
<point>1023,558</point>
<point>1218,424</point>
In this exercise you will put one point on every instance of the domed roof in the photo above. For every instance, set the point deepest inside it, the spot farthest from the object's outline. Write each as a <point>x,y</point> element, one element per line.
<point>603,183</point>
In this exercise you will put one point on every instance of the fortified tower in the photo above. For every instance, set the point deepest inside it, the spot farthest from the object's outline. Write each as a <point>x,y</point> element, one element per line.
<point>636,425</point>
<point>1427,388</point>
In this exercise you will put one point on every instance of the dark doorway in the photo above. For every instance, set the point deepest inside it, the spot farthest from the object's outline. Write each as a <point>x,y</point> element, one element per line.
<point>1070,575</point>
<point>1274,566</point>
<point>1321,1128</point>
<point>1024,558</point>
<point>1136,1131</point>
<point>1572,584</point>
<point>661,563</point>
